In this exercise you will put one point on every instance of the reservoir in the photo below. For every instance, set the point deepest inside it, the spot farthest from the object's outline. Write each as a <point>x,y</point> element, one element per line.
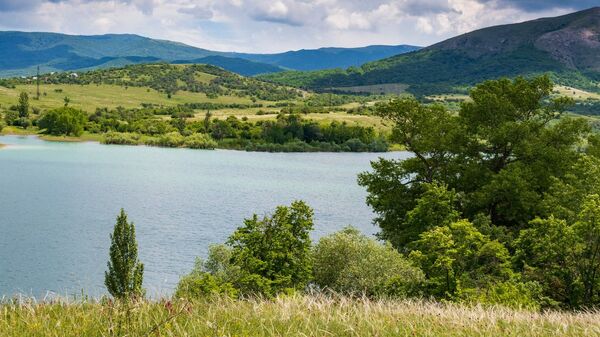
<point>59,202</point>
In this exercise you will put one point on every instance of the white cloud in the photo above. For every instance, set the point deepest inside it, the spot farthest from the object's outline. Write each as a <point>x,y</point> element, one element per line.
<point>273,25</point>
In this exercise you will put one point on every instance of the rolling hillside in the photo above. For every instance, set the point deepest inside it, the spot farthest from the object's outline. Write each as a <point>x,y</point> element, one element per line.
<point>327,58</point>
<point>567,46</point>
<point>234,64</point>
<point>22,52</point>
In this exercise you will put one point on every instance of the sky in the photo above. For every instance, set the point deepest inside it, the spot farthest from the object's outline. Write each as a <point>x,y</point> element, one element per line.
<point>265,26</point>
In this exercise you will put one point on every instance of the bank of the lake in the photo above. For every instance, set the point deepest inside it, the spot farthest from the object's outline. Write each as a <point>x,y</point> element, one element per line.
<point>64,197</point>
<point>201,141</point>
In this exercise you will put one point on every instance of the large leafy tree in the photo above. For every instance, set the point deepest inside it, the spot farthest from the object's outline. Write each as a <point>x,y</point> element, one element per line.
<point>273,253</point>
<point>499,155</point>
<point>63,121</point>
<point>125,272</point>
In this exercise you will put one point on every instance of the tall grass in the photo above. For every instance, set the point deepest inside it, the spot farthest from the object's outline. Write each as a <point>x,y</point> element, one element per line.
<point>300,315</point>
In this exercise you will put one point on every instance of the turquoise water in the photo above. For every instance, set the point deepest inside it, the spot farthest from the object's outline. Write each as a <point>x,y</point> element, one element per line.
<point>58,203</point>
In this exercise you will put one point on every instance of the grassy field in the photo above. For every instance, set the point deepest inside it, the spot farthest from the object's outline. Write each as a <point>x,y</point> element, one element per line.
<point>90,97</point>
<point>576,94</point>
<point>291,316</point>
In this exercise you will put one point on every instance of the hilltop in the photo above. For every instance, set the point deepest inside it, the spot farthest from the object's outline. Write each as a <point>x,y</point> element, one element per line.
<point>327,58</point>
<point>22,52</point>
<point>567,46</point>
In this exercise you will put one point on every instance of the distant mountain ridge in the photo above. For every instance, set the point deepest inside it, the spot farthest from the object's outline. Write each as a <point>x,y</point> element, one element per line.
<point>568,47</point>
<point>22,52</point>
<point>328,58</point>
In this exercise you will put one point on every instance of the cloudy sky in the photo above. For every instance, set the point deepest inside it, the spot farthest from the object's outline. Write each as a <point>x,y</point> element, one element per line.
<point>277,25</point>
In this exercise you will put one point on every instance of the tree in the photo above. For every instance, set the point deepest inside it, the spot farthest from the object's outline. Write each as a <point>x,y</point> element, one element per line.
<point>273,253</point>
<point>23,106</point>
<point>125,272</point>
<point>206,121</point>
<point>564,257</point>
<point>63,121</point>
<point>457,257</point>
<point>500,154</point>
<point>265,256</point>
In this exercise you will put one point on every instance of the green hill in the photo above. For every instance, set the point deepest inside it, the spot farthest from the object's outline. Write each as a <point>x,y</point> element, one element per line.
<point>235,64</point>
<point>567,46</point>
<point>327,58</point>
<point>22,52</point>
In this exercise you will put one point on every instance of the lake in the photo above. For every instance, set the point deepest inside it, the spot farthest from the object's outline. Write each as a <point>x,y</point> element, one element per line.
<point>59,201</point>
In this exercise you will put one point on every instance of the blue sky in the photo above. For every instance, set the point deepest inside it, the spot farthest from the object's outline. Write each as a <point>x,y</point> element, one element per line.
<point>277,25</point>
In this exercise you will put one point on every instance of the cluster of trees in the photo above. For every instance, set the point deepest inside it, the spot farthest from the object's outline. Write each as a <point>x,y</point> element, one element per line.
<point>274,255</point>
<point>500,204</point>
<point>18,115</point>
<point>500,201</point>
<point>289,133</point>
<point>167,78</point>
<point>293,133</point>
<point>286,133</point>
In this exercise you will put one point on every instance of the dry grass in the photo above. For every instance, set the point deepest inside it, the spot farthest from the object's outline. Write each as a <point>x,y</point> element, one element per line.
<point>288,316</point>
<point>576,94</point>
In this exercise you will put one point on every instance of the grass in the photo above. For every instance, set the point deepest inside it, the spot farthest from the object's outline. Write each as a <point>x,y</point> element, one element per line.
<point>576,94</point>
<point>90,97</point>
<point>301,315</point>
<point>34,131</point>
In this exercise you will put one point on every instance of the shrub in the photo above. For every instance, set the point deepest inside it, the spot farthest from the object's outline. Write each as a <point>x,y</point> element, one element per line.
<point>200,141</point>
<point>119,138</point>
<point>213,276</point>
<point>352,263</point>
<point>512,294</point>
<point>171,139</point>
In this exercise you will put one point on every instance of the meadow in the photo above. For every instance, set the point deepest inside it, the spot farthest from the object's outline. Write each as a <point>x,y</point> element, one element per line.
<point>297,315</point>
<point>90,97</point>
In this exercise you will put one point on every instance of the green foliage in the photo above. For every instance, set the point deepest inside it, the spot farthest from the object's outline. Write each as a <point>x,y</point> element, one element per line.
<point>513,168</point>
<point>215,276</point>
<point>457,257</point>
<point>351,263</point>
<point>564,257</point>
<point>119,138</point>
<point>23,106</point>
<point>499,154</point>
<point>512,294</point>
<point>273,253</point>
<point>263,257</point>
<point>169,79</point>
<point>63,121</point>
<point>125,273</point>
<point>199,141</point>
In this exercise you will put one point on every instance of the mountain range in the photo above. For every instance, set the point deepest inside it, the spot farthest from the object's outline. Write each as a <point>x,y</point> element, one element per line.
<point>22,52</point>
<point>566,47</point>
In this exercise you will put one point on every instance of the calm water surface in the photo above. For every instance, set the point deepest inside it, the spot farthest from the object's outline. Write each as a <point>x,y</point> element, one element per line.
<point>58,203</point>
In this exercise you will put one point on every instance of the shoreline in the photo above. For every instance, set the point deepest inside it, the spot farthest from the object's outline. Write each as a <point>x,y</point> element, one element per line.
<point>97,138</point>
